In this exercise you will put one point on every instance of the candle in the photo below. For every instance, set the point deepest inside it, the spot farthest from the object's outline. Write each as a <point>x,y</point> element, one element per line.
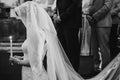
<point>11,53</point>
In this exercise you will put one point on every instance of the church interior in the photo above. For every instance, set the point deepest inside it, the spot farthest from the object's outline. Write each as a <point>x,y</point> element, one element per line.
<point>13,27</point>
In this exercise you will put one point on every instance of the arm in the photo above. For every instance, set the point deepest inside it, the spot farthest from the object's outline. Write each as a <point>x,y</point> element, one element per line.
<point>102,12</point>
<point>116,8</point>
<point>24,63</point>
<point>119,10</point>
<point>19,60</point>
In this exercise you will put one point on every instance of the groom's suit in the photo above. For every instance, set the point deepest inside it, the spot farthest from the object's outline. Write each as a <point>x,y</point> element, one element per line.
<point>68,28</point>
<point>69,13</point>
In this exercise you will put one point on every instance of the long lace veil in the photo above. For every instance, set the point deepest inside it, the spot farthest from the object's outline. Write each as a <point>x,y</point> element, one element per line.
<point>41,31</point>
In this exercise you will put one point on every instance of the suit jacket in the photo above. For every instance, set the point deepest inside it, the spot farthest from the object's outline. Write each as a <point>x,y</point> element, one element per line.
<point>115,12</point>
<point>100,10</point>
<point>70,13</point>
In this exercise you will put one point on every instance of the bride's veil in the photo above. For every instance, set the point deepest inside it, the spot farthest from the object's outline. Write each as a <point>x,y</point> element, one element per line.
<point>46,3</point>
<point>41,31</point>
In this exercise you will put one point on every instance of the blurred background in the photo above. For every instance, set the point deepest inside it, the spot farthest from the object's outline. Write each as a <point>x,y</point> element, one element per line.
<point>10,26</point>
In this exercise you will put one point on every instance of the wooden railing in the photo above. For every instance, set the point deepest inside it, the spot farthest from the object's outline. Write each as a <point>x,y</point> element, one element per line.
<point>16,47</point>
<point>15,28</point>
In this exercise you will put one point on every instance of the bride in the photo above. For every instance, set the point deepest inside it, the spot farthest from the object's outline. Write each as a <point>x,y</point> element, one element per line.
<point>42,40</point>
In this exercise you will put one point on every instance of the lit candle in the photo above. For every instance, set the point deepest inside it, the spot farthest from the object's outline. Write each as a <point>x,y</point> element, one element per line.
<point>11,53</point>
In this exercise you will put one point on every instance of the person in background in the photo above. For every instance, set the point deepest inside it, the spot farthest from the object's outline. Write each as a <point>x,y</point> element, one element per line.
<point>115,12</point>
<point>100,19</point>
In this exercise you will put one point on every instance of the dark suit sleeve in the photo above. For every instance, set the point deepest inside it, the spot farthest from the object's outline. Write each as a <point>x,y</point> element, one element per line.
<point>102,12</point>
<point>117,10</point>
<point>69,11</point>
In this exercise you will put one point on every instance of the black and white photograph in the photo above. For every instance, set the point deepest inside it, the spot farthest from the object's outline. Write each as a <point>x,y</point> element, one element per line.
<point>59,39</point>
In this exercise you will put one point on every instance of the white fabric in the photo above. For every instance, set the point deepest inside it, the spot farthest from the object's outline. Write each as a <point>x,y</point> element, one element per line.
<point>41,31</point>
<point>85,5</point>
<point>42,34</point>
<point>86,36</point>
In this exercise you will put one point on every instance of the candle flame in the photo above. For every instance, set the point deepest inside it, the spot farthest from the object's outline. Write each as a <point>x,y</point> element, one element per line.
<point>10,37</point>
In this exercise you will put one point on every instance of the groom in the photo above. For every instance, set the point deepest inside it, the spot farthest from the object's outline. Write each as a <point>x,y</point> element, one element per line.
<point>68,24</point>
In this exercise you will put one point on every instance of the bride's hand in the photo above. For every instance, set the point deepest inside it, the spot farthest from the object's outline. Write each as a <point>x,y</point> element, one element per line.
<point>14,60</point>
<point>19,57</point>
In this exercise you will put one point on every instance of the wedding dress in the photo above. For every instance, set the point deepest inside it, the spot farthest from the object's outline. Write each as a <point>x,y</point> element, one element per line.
<point>41,40</point>
<point>41,36</point>
<point>27,73</point>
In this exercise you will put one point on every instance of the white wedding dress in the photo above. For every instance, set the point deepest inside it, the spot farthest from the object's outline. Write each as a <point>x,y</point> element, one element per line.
<point>42,40</point>
<point>27,73</point>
